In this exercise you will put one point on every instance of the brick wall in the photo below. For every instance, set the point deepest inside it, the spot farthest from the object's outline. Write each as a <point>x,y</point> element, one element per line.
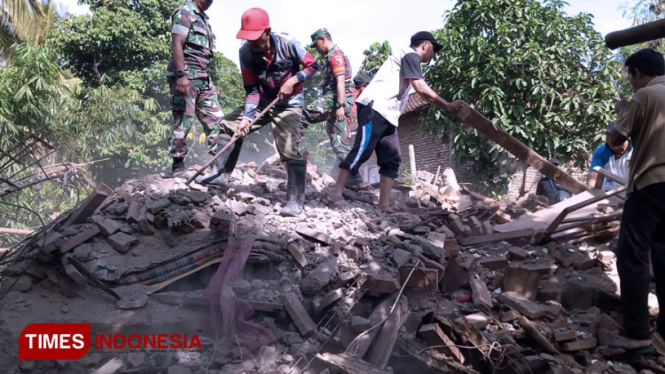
<point>529,180</point>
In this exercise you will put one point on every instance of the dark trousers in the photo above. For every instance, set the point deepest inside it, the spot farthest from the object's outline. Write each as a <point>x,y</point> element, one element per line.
<point>375,134</point>
<point>642,229</point>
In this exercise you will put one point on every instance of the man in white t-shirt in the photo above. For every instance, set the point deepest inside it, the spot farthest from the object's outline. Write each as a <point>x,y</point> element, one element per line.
<point>379,108</point>
<point>613,159</point>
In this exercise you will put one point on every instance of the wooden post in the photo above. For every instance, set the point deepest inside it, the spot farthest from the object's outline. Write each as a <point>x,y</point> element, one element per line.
<point>635,35</point>
<point>412,164</point>
<point>519,150</point>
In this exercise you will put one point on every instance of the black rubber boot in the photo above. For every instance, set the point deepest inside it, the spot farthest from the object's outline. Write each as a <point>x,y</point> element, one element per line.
<point>178,167</point>
<point>220,163</point>
<point>295,187</point>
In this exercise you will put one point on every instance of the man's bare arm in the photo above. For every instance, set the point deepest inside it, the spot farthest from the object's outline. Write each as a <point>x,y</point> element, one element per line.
<point>594,179</point>
<point>177,47</point>
<point>426,92</point>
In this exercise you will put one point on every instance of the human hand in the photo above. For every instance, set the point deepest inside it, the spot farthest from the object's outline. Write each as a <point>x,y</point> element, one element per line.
<point>243,128</point>
<point>456,106</point>
<point>339,113</point>
<point>287,89</point>
<point>182,85</point>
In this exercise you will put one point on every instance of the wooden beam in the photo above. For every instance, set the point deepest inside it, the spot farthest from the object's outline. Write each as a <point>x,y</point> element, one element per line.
<point>611,176</point>
<point>635,35</point>
<point>380,352</point>
<point>519,150</point>
<point>550,229</point>
<point>7,230</point>
<point>482,239</point>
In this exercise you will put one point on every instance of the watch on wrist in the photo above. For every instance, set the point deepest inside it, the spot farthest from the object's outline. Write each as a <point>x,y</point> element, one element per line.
<point>338,105</point>
<point>180,73</point>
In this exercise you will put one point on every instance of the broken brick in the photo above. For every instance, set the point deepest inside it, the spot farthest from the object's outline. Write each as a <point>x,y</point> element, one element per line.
<point>493,263</point>
<point>107,226</point>
<point>517,253</point>
<point>89,205</point>
<point>314,235</point>
<point>222,223</point>
<point>298,314</point>
<point>343,279</point>
<point>584,263</point>
<point>565,336</point>
<point>400,257</point>
<point>380,284</point>
<point>297,253</point>
<point>133,212</point>
<point>353,253</point>
<point>480,293</point>
<point>79,239</point>
<point>122,242</point>
<point>420,278</point>
<point>434,336</point>
<point>72,272</point>
<point>570,259</point>
<point>319,277</point>
<point>438,239</point>
<point>454,277</point>
<point>328,300</point>
<point>579,345</point>
<point>523,305</point>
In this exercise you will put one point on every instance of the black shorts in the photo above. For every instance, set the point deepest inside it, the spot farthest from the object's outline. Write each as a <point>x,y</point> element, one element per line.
<point>374,133</point>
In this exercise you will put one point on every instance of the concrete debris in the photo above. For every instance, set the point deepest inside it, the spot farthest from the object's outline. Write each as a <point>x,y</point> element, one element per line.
<point>327,279</point>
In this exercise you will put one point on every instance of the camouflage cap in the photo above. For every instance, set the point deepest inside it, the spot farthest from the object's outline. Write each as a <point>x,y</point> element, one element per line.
<point>317,34</point>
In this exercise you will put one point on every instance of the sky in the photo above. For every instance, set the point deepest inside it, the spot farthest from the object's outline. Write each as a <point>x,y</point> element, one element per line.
<point>356,24</point>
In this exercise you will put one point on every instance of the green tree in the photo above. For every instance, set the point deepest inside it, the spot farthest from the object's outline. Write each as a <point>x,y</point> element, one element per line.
<point>544,77</point>
<point>375,55</point>
<point>18,21</point>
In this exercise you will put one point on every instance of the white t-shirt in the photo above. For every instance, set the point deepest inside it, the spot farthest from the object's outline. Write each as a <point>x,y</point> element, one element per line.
<point>390,88</point>
<point>618,166</point>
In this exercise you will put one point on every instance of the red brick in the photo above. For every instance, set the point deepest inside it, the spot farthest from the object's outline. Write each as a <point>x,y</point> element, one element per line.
<point>523,305</point>
<point>382,284</point>
<point>580,344</point>
<point>122,242</point>
<point>71,271</point>
<point>297,253</point>
<point>517,253</point>
<point>311,234</point>
<point>565,336</point>
<point>434,336</point>
<point>400,257</point>
<point>480,293</point>
<point>298,314</point>
<point>89,205</point>
<point>79,239</point>
<point>328,300</point>
<point>107,226</point>
<point>493,263</point>
<point>420,278</point>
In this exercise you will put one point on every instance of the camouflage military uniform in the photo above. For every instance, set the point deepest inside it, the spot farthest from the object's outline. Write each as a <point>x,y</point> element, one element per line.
<point>323,109</point>
<point>201,101</point>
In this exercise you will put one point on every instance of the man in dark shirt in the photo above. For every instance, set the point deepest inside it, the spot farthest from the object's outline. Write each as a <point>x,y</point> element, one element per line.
<point>272,67</point>
<point>550,189</point>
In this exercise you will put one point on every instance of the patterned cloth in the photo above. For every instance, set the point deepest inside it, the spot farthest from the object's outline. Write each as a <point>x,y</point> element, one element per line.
<point>201,102</point>
<point>263,76</point>
<point>190,22</point>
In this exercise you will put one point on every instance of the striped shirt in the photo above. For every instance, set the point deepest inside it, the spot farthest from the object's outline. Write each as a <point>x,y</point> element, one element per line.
<point>263,78</point>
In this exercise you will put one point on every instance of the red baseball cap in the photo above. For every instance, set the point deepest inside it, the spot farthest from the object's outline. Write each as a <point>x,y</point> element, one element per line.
<point>253,23</point>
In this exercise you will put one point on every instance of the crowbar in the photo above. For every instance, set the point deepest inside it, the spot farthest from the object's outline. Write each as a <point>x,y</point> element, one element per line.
<point>234,138</point>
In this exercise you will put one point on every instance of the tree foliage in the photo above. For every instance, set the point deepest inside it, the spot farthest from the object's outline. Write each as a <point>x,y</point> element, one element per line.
<point>375,55</point>
<point>544,77</point>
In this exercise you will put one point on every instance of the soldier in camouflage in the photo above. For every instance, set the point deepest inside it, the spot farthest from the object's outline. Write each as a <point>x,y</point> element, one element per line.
<point>192,91</point>
<point>336,102</point>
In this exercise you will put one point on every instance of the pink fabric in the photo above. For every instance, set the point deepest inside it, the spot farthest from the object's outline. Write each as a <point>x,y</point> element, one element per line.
<point>231,327</point>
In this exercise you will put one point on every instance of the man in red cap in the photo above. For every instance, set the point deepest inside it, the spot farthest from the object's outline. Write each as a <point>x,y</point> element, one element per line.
<point>272,67</point>
<point>379,108</point>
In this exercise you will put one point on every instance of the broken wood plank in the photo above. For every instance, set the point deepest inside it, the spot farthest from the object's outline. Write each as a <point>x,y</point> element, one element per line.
<point>380,352</point>
<point>349,364</point>
<point>493,238</point>
<point>471,117</point>
<point>550,229</point>
<point>537,336</point>
<point>362,343</point>
<point>435,337</point>
<point>7,230</point>
<point>611,176</point>
<point>89,205</point>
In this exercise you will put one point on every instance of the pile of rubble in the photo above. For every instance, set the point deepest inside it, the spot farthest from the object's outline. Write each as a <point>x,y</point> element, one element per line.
<point>430,287</point>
